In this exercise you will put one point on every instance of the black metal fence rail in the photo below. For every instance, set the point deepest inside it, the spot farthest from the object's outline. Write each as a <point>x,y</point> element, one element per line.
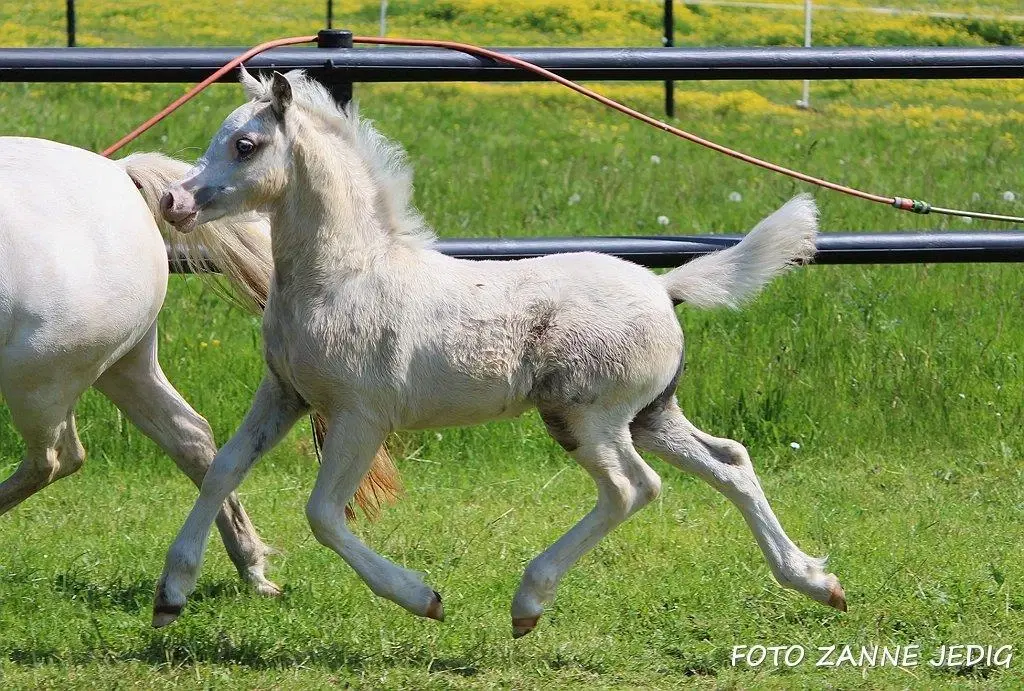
<point>333,65</point>
<point>663,252</point>
<point>340,66</point>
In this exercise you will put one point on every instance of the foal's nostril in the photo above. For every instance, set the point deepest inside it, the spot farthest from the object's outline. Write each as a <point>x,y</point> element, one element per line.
<point>166,202</point>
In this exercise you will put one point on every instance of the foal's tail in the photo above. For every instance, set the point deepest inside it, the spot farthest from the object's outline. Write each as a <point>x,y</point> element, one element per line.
<point>239,248</point>
<point>732,276</point>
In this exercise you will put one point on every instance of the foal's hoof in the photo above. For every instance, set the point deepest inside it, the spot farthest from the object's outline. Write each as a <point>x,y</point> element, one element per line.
<point>165,614</point>
<point>837,597</point>
<point>434,609</point>
<point>523,625</point>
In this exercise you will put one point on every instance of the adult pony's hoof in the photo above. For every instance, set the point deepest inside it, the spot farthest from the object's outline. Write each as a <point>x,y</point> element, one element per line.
<point>523,625</point>
<point>165,614</point>
<point>837,598</point>
<point>267,589</point>
<point>435,610</point>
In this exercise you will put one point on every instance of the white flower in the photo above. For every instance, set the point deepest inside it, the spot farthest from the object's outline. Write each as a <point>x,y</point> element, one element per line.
<point>975,197</point>
<point>662,220</point>
<point>655,159</point>
<point>163,138</point>
<point>574,199</point>
<point>735,197</point>
<point>1009,196</point>
<point>962,395</point>
<point>795,445</point>
<point>842,162</point>
<point>967,219</point>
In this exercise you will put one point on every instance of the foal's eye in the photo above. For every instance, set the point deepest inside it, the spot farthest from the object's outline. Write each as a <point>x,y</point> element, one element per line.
<point>244,147</point>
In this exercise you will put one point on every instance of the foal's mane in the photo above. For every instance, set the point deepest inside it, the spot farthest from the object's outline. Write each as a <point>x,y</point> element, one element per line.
<point>385,160</point>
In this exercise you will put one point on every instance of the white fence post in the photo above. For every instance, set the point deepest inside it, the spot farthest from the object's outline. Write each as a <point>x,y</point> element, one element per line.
<point>805,102</point>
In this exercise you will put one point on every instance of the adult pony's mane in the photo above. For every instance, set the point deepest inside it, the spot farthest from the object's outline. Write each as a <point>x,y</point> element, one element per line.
<point>385,160</point>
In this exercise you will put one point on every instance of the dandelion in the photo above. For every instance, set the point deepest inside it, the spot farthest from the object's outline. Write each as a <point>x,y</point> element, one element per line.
<point>215,343</point>
<point>735,197</point>
<point>1009,196</point>
<point>655,159</point>
<point>795,445</point>
<point>203,344</point>
<point>662,220</point>
<point>574,199</point>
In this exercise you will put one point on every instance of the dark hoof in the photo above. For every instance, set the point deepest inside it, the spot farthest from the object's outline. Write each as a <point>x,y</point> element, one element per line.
<point>435,610</point>
<point>523,625</point>
<point>837,598</point>
<point>165,614</point>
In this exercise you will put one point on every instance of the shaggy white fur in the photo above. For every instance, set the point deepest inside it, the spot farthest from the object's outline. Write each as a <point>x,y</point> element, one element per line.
<point>369,324</point>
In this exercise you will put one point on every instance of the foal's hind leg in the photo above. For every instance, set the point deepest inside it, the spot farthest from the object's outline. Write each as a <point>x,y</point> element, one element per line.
<point>625,484</point>
<point>725,465</point>
<point>136,384</point>
<point>351,444</point>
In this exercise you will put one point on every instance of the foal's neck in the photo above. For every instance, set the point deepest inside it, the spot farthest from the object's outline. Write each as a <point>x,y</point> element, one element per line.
<point>326,225</point>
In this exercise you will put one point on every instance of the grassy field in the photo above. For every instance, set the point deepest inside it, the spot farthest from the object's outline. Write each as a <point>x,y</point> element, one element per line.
<point>903,387</point>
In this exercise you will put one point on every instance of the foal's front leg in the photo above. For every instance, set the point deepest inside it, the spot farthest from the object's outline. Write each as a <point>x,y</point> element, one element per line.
<point>351,443</point>
<point>275,408</point>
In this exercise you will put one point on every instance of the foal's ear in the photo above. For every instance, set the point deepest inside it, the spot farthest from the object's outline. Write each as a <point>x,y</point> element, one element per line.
<point>280,94</point>
<point>252,86</point>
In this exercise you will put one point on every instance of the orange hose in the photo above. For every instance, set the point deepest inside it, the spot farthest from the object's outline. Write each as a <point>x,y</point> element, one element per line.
<point>895,202</point>
<point>191,93</point>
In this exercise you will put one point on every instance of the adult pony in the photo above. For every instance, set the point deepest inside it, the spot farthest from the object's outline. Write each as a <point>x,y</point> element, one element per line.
<point>379,331</point>
<point>83,274</point>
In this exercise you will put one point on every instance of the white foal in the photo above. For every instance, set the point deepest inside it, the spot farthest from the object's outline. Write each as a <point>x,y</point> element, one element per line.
<point>369,324</point>
<point>83,274</point>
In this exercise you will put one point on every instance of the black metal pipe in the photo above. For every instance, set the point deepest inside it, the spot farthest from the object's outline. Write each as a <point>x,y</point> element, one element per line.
<point>669,41</point>
<point>336,38</point>
<point>416,65</point>
<point>833,248</point>
<point>70,10</point>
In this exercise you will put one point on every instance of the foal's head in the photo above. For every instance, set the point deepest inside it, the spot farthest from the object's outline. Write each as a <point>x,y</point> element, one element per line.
<point>245,167</point>
<point>249,163</point>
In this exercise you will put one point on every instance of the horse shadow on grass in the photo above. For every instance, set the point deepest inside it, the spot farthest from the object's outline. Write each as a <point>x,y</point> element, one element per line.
<point>254,648</point>
<point>131,595</point>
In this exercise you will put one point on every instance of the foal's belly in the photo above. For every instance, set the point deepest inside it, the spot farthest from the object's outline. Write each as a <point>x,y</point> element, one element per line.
<point>458,407</point>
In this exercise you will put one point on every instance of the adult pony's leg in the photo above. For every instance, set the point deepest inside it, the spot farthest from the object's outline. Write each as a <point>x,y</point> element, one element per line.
<point>625,484</point>
<point>137,385</point>
<point>725,465</point>
<point>349,448</point>
<point>51,452</point>
<point>275,409</point>
<point>41,398</point>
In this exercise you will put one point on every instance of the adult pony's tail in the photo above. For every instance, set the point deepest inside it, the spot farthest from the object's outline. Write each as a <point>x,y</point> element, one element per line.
<point>239,248</point>
<point>733,276</point>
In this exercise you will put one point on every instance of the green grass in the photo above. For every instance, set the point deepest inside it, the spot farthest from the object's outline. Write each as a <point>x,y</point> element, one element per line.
<point>904,386</point>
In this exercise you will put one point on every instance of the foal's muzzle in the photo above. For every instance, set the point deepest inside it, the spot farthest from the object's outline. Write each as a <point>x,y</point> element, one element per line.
<point>179,208</point>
